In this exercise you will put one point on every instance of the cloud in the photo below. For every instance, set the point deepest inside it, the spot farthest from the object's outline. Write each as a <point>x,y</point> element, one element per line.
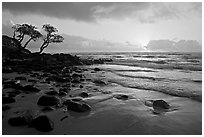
<point>95,11</point>
<point>172,46</point>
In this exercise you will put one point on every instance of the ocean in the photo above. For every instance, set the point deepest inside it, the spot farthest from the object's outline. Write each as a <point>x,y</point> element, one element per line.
<point>176,74</point>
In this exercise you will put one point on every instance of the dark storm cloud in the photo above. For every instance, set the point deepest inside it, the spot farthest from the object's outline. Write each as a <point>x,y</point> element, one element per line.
<point>92,11</point>
<point>77,11</point>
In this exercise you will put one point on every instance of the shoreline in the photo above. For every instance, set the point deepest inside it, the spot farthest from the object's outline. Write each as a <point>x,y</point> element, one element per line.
<point>113,116</point>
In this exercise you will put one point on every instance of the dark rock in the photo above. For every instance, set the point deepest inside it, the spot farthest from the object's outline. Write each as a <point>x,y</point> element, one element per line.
<point>122,97</point>
<point>75,75</point>
<point>97,69</point>
<point>64,90</point>
<point>82,79</point>
<point>62,93</point>
<point>12,84</point>
<point>20,78</point>
<point>52,93</point>
<point>48,100</point>
<point>7,100</point>
<point>60,79</point>
<point>76,78</point>
<point>99,82</point>
<point>84,94</point>
<point>34,74</point>
<point>76,81</point>
<point>42,123</point>
<point>49,79</point>
<point>80,86</point>
<point>30,88</point>
<point>160,104</point>
<point>23,119</point>
<point>77,106</point>
<point>5,107</point>
<point>11,48</point>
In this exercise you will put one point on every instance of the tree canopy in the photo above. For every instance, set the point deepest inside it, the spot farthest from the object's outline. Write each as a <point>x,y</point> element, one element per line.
<point>50,37</point>
<point>21,30</point>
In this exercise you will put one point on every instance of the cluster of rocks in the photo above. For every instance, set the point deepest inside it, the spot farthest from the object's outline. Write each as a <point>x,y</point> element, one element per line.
<point>49,101</point>
<point>59,70</point>
<point>17,59</point>
<point>28,118</point>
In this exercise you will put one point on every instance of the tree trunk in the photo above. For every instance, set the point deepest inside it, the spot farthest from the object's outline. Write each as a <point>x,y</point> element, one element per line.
<point>44,45</point>
<point>27,43</point>
<point>14,34</point>
<point>22,38</point>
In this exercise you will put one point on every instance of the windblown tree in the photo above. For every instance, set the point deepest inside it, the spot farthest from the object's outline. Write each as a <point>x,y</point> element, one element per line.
<point>16,29</point>
<point>22,30</point>
<point>50,37</point>
<point>34,35</point>
<point>26,29</point>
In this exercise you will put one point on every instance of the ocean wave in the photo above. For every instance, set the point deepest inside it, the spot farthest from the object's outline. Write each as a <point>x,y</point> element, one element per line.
<point>160,65</point>
<point>167,90</point>
<point>128,70</point>
<point>157,78</point>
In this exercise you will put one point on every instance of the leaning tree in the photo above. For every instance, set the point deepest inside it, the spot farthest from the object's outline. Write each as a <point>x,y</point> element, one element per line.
<point>34,35</point>
<point>50,37</point>
<point>21,30</point>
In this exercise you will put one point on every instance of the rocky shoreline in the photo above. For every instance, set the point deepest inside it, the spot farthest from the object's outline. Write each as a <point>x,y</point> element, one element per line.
<point>62,71</point>
<point>59,94</point>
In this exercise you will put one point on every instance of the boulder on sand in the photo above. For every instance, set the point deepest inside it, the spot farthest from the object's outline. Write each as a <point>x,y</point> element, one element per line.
<point>24,118</point>
<point>121,97</point>
<point>97,69</point>
<point>47,100</point>
<point>42,123</point>
<point>30,88</point>
<point>84,94</point>
<point>62,93</point>
<point>160,104</point>
<point>99,82</point>
<point>77,106</point>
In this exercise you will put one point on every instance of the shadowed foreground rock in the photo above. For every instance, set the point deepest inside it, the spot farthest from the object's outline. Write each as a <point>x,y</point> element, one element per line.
<point>30,88</point>
<point>84,94</point>
<point>42,123</point>
<point>21,120</point>
<point>77,106</point>
<point>160,104</point>
<point>48,100</point>
<point>122,97</point>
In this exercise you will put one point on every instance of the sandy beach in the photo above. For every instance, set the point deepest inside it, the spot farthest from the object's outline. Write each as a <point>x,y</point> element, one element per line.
<point>109,115</point>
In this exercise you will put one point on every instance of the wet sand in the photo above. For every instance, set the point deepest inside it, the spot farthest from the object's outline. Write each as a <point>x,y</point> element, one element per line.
<point>109,115</point>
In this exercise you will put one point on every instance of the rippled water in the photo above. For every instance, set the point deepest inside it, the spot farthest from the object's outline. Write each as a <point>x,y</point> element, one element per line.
<point>177,74</point>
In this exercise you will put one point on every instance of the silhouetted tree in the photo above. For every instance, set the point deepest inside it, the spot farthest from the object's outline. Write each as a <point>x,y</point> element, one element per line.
<point>34,35</point>
<point>50,37</point>
<point>16,28</point>
<point>22,30</point>
<point>25,29</point>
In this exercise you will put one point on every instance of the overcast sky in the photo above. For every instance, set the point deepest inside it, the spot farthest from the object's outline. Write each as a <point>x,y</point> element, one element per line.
<point>115,26</point>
